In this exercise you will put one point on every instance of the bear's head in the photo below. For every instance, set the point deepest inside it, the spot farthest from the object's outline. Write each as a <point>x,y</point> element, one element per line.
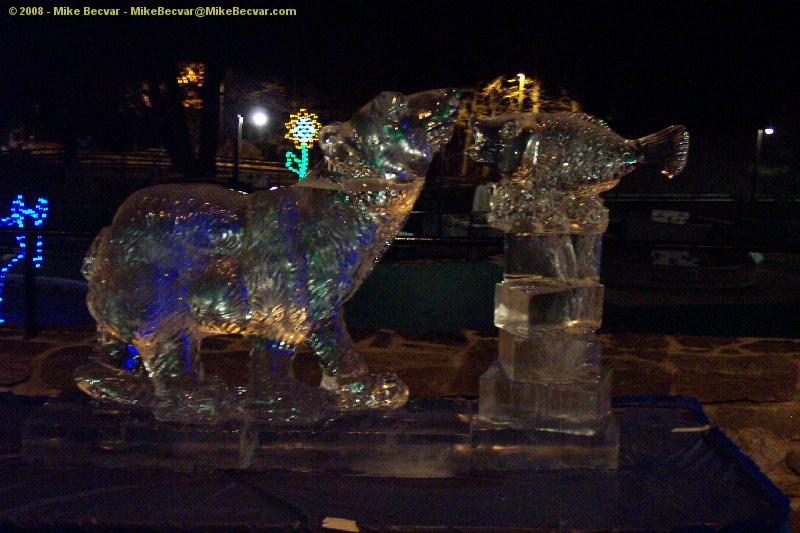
<point>394,137</point>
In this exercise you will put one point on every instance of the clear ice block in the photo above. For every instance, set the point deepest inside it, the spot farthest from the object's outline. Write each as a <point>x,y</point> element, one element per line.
<point>525,308</point>
<point>424,439</point>
<point>548,255</point>
<point>578,406</point>
<point>546,355</point>
<point>588,251</point>
<point>558,256</point>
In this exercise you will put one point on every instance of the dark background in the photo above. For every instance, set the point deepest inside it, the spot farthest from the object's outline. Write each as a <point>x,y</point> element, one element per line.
<point>714,66</point>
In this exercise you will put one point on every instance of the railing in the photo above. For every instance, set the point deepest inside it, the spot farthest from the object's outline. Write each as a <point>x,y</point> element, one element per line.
<point>403,247</point>
<point>63,241</point>
<point>476,242</point>
<point>156,161</point>
<point>29,278</point>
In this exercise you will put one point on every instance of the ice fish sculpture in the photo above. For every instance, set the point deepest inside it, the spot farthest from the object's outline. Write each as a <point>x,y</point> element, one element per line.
<point>555,164</point>
<point>180,262</point>
<point>547,376</point>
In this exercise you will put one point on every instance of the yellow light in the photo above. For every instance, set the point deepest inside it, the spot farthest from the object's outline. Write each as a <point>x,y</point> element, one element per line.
<point>191,73</point>
<point>303,128</point>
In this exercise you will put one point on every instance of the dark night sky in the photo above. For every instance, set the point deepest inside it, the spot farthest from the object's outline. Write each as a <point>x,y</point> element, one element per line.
<point>714,67</point>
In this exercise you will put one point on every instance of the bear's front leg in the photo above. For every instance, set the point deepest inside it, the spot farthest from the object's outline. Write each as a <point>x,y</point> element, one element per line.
<point>345,373</point>
<point>273,394</point>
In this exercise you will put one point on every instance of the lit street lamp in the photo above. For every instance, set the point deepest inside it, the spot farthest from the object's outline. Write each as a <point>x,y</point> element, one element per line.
<point>761,133</point>
<point>259,118</point>
<point>757,170</point>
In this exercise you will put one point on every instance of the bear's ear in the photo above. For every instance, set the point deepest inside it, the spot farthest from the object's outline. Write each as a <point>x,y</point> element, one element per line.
<point>335,141</point>
<point>327,134</point>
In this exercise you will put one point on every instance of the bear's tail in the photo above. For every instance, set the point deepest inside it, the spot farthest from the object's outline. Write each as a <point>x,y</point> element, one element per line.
<point>666,149</point>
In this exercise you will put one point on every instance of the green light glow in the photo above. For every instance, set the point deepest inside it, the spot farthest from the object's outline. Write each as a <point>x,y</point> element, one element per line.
<point>302,162</point>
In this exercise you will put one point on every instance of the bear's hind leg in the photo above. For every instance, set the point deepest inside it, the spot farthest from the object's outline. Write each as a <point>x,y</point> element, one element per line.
<point>114,373</point>
<point>183,392</point>
<point>345,373</point>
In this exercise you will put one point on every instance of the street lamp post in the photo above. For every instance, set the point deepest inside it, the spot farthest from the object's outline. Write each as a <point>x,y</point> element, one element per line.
<point>757,170</point>
<point>234,183</point>
<point>259,118</point>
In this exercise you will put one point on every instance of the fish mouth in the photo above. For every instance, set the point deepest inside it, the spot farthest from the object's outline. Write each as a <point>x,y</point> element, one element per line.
<point>474,153</point>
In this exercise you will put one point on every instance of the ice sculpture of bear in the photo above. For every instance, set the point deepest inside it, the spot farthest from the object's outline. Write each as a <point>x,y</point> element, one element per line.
<point>180,262</point>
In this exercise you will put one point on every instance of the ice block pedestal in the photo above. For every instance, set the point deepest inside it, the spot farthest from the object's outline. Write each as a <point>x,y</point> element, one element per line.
<point>547,380</point>
<point>430,438</point>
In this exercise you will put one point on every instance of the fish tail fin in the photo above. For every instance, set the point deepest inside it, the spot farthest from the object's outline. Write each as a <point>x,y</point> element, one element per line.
<point>666,149</point>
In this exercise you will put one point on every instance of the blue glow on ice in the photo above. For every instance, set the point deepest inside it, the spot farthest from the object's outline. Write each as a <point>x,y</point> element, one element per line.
<point>132,363</point>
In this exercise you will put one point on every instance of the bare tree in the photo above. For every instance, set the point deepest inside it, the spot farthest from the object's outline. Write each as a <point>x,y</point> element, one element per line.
<point>186,112</point>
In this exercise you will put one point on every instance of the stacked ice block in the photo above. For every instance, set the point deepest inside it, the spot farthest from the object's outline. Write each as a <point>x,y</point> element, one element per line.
<point>553,165</point>
<point>547,375</point>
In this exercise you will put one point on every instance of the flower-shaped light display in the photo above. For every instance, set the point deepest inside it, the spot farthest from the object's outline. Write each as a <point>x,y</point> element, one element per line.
<point>303,128</point>
<point>303,131</point>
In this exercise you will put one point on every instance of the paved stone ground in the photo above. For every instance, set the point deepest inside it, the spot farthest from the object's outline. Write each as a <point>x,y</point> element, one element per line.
<point>749,386</point>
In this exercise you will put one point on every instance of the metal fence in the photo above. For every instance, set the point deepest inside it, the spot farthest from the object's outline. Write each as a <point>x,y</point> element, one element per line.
<point>153,164</point>
<point>434,231</point>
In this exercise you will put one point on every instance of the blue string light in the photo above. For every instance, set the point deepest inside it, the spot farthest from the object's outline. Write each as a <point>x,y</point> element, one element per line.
<point>17,218</point>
